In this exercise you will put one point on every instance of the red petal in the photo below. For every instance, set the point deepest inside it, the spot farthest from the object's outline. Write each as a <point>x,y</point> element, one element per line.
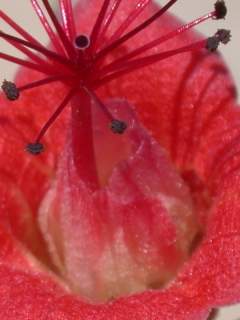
<point>213,274</point>
<point>34,296</point>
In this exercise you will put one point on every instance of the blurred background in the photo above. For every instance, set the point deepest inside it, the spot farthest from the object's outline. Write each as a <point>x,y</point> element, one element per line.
<point>187,10</point>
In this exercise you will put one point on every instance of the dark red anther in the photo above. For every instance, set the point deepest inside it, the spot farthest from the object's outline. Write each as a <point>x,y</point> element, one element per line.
<point>221,36</point>
<point>10,89</point>
<point>35,148</point>
<point>220,9</point>
<point>212,43</point>
<point>118,126</point>
<point>224,35</point>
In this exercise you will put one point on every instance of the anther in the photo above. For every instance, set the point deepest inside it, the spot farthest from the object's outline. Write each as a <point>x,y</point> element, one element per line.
<point>118,126</point>
<point>82,41</point>
<point>10,89</point>
<point>35,148</point>
<point>223,35</point>
<point>212,43</point>
<point>220,9</point>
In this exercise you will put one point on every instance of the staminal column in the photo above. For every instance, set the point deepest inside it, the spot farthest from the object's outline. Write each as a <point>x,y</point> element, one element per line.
<point>82,139</point>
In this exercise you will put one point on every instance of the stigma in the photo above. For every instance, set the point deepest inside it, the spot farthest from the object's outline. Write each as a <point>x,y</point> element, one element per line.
<point>81,61</point>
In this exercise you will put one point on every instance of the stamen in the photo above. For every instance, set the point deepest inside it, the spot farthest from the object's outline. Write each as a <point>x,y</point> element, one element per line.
<point>39,83</point>
<point>98,24</point>
<point>65,41</point>
<point>35,148</point>
<point>117,126</point>
<point>82,41</point>
<point>27,64</point>
<point>222,36</point>
<point>19,29</point>
<point>140,6</point>
<point>158,41</point>
<point>27,37</point>
<point>135,31</point>
<point>210,44</point>
<point>54,116</point>
<point>68,18</point>
<point>29,53</point>
<point>220,9</point>
<point>50,54</point>
<point>108,21</point>
<point>10,89</point>
<point>52,36</point>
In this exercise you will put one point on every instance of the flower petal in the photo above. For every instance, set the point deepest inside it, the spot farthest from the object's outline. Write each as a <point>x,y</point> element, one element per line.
<point>213,273</point>
<point>28,295</point>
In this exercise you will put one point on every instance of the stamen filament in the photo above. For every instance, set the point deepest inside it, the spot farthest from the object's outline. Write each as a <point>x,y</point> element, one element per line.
<point>65,41</point>
<point>108,21</point>
<point>52,36</point>
<point>24,63</point>
<point>117,63</point>
<point>135,31</point>
<point>102,106</point>
<point>140,6</point>
<point>98,24</point>
<point>82,139</point>
<point>19,29</point>
<point>55,114</point>
<point>68,18</point>
<point>39,83</point>
<point>28,53</point>
<point>117,126</point>
<point>50,54</point>
<point>146,61</point>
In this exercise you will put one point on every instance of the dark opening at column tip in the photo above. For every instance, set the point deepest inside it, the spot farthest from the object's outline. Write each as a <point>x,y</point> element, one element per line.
<point>82,41</point>
<point>35,148</point>
<point>10,89</point>
<point>220,9</point>
<point>118,126</point>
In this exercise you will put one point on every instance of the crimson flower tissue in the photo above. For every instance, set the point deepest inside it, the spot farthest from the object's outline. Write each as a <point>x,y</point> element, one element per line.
<point>120,155</point>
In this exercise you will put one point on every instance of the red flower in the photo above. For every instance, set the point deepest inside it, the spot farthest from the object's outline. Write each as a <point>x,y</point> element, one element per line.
<point>145,223</point>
